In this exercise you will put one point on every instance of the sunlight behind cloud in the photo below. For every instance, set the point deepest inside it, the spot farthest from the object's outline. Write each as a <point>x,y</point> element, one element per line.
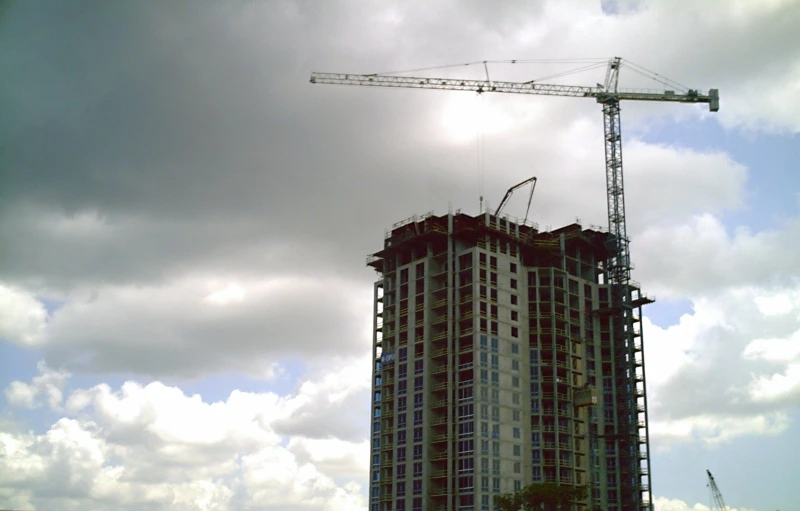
<point>467,116</point>
<point>229,294</point>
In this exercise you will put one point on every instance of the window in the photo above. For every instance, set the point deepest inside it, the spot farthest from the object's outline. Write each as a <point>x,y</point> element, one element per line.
<point>401,454</point>
<point>466,429</point>
<point>496,413</point>
<point>515,415</point>
<point>418,366</point>
<point>484,483</point>
<point>495,361</point>
<point>484,375</point>
<point>495,466</point>
<point>417,504</point>
<point>485,449</point>
<point>402,387</point>
<point>466,411</point>
<point>417,452</point>
<point>466,447</point>
<point>493,278</point>
<point>401,471</point>
<point>417,469</point>
<point>494,327</point>
<point>466,465</point>
<point>494,311</point>
<point>514,331</point>
<point>417,434</point>
<point>515,365</point>
<point>376,460</point>
<point>512,267</point>
<point>482,275</point>
<point>376,444</point>
<point>401,437</point>
<point>515,398</point>
<point>495,378</point>
<point>495,344</point>
<point>495,430</point>
<point>417,486</point>
<point>514,316</point>
<point>517,485</point>
<point>465,483</point>
<point>483,342</point>
<point>417,417</point>
<point>401,420</point>
<point>403,354</point>
<point>417,400</point>
<point>421,270</point>
<point>517,450</point>
<point>376,475</point>
<point>513,283</point>
<point>484,358</point>
<point>517,433</point>
<point>402,370</point>
<point>465,394</point>
<point>517,467</point>
<point>483,308</point>
<point>484,411</point>
<point>482,290</point>
<point>493,262</point>
<point>514,299</point>
<point>496,484</point>
<point>401,503</point>
<point>515,381</point>
<point>418,382</point>
<point>495,448</point>
<point>484,429</point>
<point>537,473</point>
<point>482,258</point>
<point>493,295</point>
<point>401,488</point>
<point>495,395</point>
<point>515,348</point>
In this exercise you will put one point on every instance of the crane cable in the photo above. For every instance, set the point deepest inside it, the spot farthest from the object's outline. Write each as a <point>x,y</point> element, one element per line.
<point>479,146</point>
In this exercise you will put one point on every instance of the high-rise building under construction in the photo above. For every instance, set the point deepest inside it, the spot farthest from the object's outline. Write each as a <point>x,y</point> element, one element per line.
<point>496,366</point>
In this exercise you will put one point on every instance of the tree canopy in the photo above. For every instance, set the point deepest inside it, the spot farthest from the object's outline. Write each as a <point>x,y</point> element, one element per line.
<point>541,497</point>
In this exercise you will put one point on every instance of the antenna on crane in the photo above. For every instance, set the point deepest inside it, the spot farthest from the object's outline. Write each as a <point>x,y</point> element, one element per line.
<point>511,191</point>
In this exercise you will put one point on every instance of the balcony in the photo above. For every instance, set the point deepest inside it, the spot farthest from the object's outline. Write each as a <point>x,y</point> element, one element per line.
<point>439,369</point>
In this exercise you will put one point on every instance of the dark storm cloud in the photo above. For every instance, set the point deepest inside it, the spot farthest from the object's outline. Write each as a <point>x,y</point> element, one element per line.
<point>190,127</point>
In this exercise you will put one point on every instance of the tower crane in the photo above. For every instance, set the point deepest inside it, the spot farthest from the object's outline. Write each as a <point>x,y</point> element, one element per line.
<point>715,492</point>
<point>617,266</point>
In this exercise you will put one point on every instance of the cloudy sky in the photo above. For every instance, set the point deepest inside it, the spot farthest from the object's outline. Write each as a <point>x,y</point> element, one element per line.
<point>184,305</point>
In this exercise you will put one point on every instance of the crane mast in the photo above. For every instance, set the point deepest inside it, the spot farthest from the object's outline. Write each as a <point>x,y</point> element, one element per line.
<point>716,493</point>
<point>631,401</point>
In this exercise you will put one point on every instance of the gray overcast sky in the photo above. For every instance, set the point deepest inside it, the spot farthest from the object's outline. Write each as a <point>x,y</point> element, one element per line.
<point>185,310</point>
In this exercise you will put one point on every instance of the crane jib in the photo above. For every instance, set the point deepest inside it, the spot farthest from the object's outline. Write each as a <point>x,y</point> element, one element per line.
<point>480,86</point>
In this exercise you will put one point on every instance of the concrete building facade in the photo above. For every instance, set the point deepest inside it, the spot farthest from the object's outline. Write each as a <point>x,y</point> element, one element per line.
<point>495,367</point>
